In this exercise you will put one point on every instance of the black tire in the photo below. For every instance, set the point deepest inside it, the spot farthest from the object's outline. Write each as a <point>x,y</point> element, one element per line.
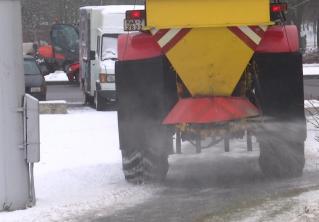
<point>281,153</point>
<point>279,92</point>
<point>143,166</point>
<point>88,99</point>
<point>44,69</point>
<point>99,102</point>
<point>146,92</point>
<point>77,77</point>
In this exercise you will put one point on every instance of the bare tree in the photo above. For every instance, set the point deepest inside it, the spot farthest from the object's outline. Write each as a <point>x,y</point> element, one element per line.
<point>39,15</point>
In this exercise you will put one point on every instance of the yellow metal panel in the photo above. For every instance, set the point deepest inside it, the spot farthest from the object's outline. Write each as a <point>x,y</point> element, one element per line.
<point>206,13</point>
<point>210,61</point>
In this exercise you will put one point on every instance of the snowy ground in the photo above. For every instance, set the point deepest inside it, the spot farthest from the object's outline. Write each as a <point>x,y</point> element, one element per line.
<point>80,174</point>
<point>310,69</point>
<point>58,76</point>
<point>80,169</point>
<point>298,205</point>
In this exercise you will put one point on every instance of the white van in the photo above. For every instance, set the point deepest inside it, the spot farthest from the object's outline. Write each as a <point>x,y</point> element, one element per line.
<point>99,29</point>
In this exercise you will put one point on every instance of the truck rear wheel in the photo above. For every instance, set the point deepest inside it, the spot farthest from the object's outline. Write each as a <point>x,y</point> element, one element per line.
<point>146,91</point>
<point>141,166</point>
<point>145,156</point>
<point>279,93</point>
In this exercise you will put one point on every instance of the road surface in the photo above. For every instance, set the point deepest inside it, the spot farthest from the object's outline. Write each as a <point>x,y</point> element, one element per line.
<point>216,186</point>
<point>69,92</point>
<point>311,88</point>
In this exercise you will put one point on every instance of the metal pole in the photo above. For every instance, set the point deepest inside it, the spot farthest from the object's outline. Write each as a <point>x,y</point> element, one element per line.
<point>13,166</point>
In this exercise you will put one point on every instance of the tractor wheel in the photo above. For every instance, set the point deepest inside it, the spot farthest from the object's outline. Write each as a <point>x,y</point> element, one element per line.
<point>142,166</point>
<point>145,150</point>
<point>280,155</point>
<point>146,92</point>
<point>279,93</point>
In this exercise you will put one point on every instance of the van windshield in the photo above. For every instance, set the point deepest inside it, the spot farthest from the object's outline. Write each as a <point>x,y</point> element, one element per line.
<point>109,46</point>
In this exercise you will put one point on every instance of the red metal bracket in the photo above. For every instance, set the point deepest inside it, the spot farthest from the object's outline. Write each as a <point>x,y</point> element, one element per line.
<point>210,110</point>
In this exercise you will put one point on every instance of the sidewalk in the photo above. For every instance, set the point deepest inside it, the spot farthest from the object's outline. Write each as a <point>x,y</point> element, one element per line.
<point>311,71</point>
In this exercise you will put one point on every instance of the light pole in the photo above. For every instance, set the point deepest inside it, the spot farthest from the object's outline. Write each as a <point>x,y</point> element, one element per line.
<point>14,186</point>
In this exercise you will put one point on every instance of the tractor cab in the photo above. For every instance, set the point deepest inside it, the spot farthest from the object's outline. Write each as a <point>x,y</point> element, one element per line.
<point>65,41</point>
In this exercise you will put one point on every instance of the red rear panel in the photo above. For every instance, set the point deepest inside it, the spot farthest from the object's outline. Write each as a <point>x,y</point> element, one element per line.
<point>210,110</point>
<point>279,39</point>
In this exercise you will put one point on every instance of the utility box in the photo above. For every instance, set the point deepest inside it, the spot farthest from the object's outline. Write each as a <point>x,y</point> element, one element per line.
<point>32,128</point>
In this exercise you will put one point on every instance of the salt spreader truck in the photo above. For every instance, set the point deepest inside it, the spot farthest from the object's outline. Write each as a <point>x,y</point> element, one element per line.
<point>218,70</point>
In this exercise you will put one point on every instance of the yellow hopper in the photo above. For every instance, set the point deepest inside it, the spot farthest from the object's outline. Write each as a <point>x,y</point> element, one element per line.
<point>208,42</point>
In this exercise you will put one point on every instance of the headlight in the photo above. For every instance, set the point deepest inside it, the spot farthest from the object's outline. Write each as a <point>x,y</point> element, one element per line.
<point>103,77</point>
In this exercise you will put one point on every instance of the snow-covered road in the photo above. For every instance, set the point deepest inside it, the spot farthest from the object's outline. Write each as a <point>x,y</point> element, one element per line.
<point>215,187</point>
<point>79,178</point>
<point>80,169</point>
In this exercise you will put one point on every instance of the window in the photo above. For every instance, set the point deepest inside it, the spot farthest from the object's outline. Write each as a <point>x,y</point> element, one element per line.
<point>109,46</point>
<point>30,67</point>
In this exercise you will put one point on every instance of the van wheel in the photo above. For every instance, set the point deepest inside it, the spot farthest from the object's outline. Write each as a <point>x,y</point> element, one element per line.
<point>88,99</point>
<point>99,102</point>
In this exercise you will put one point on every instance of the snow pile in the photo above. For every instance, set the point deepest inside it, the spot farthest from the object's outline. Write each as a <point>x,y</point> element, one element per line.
<point>308,210</point>
<point>56,76</point>
<point>310,69</point>
<point>80,169</point>
<point>311,104</point>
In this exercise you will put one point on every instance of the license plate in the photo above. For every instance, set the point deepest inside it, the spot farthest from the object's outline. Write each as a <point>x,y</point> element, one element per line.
<point>134,24</point>
<point>35,89</point>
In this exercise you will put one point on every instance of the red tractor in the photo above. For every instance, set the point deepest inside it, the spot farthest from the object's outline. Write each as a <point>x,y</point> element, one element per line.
<point>209,69</point>
<point>63,54</point>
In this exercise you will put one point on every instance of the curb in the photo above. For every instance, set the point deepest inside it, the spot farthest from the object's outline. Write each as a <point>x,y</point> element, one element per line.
<point>57,106</point>
<point>53,107</point>
<point>75,104</point>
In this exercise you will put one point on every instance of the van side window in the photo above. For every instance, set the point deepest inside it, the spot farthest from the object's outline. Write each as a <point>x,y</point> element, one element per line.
<point>98,44</point>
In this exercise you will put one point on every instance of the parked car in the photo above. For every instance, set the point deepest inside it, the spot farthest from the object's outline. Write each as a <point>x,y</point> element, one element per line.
<point>34,80</point>
<point>72,72</point>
